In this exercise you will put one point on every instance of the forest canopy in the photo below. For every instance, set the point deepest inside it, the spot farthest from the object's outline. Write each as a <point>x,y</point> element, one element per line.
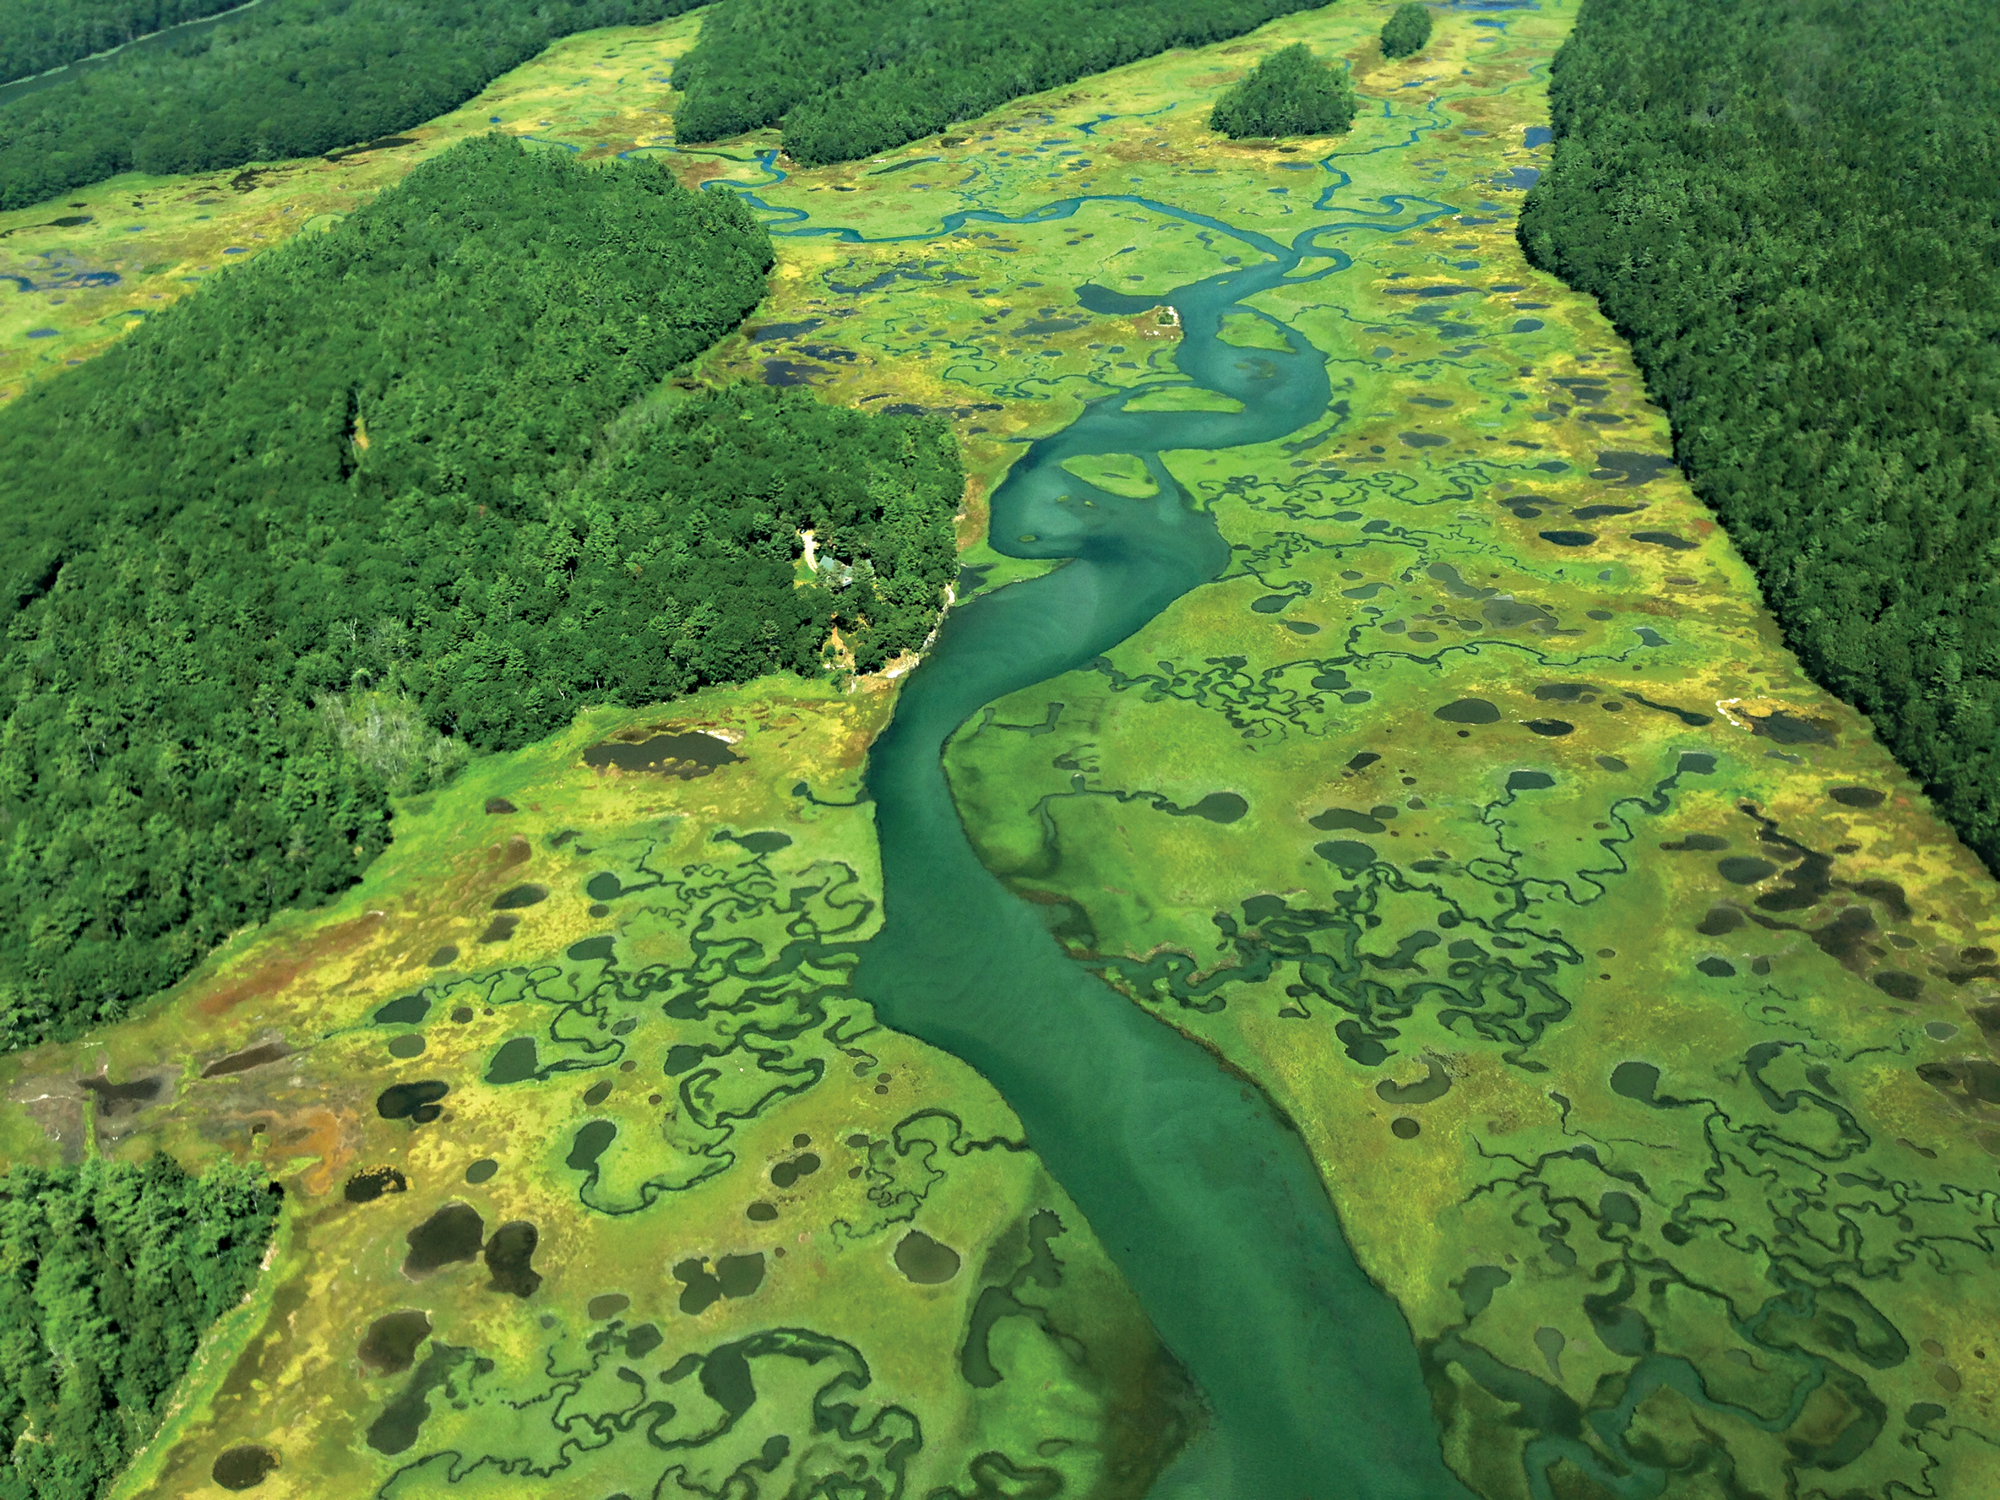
<point>110,1273</point>
<point>848,78</point>
<point>1291,92</point>
<point>364,482</point>
<point>36,35</point>
<point>284,78</point>
<point>1792,210</point>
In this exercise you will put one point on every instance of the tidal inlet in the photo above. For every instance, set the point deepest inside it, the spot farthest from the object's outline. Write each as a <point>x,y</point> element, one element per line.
<point>1354,963</point>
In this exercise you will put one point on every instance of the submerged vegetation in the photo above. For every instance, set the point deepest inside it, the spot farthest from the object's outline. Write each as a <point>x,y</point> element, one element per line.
<point>1291,92</point>
<point>1405,33</point>
<point>109,1275</point>
<point>266,556</point>
<point>1793,212</point>
<point>285,78</point>
<point>847,80</point>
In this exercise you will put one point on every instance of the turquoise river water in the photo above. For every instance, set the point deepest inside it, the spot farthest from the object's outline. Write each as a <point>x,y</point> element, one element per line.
<point>1203,1194</point>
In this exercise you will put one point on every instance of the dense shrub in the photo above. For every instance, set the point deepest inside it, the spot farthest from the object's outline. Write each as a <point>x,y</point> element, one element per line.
<point>1291,92</point>
<point>1405,33</point>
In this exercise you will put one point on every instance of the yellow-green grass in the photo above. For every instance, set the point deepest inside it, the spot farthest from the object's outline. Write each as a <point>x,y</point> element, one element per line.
<point>1183,398</point>
<point>1481,961</point>
<point>1812,1212</point>
<point>790,1065</point>
<point>1119,473</point>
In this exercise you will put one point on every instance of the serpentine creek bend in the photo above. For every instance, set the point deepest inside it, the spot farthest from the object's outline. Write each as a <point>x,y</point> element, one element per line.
<point>1307,1368</point>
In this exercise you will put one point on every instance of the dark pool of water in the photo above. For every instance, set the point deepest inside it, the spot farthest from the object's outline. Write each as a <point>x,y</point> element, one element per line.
<point>785,1173</point>
<point>699,1289</point>
<point>389,1347</point>
<point>1216,807</point>
<point>1435,1084</point>
<point>590,1143</point>
<point>453,1234</point>
<point>396,1429</point>
<point>367,1186</point>
<point>924,1260</point>
<point>243,1467</point>
<point>740,1275</point>
<point>248,1058</point>
<point>757,843</point>
<point>510,1258</point>
<point>407,1010</point>
<point>416,1102</point>
<point>515,1062</point>
<point>115,1100</point>
<point>520,896</point>
<point>682,755</point>
<point>1793,729</point>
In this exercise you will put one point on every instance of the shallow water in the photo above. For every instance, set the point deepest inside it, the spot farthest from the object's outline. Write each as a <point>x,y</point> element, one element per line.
<point>1203,1194</point>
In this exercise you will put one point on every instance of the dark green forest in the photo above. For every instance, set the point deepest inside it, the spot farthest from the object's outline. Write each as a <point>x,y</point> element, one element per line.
<point>357,507</point>
<point>1291,92</point>
<point>1791,208</point>
<point>36,35</point>
<point>109,1275</point>
<point>286,78</point>
<point>1405,33</point>
<point>847,78</point>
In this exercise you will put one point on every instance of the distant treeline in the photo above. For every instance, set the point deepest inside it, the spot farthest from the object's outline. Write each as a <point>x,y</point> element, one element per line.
<point>847,78</point>
<point>110,1273</point>
<point>36,35</point>
<point>1792,210</point>
<point>285,78</point>
<point>351,508</point>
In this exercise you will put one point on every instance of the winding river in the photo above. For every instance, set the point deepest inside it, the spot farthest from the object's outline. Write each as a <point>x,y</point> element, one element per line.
<point>1205,1196</point>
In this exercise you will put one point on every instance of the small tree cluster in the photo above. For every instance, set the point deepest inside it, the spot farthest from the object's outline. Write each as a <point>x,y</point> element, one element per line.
<point>1289,93</point>
<point>1406,32</point>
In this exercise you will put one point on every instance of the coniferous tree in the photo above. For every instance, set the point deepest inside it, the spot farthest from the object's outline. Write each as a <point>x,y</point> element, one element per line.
<point>110,1273</point>
<point>848,78</point>
<point>283,78</point>
<point>1792,210</point>
<point>354,508</point>
<point>36,36</point>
